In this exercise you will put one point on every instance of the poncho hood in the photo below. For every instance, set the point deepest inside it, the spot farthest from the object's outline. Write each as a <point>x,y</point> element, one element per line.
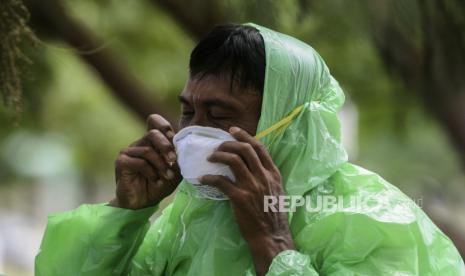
<point>309,150</point>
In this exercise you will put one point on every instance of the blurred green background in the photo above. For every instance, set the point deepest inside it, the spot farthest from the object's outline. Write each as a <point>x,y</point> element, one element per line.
<point>99,67</point>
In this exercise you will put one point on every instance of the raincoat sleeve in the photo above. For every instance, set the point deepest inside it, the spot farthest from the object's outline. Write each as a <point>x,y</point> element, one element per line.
<point>92,240</point>
<point>356,244</point>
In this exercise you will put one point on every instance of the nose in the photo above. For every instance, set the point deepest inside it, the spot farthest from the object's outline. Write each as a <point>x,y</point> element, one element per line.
<point>201,119</point>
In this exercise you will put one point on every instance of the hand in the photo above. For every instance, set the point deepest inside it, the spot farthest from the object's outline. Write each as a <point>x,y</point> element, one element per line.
<point>267,233</point>
<point>147,171</point>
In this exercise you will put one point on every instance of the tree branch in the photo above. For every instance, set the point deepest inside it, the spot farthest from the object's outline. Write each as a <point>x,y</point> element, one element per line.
<point>443,70</point>
<point>196,17</point>
<point>433,69</point>
<point>54,17</point>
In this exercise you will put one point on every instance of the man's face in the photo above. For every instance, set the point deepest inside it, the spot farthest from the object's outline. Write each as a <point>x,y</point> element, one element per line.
<point>210,102</point>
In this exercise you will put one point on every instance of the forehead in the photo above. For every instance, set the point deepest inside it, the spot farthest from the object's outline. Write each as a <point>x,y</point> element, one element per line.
<point>211,87</point>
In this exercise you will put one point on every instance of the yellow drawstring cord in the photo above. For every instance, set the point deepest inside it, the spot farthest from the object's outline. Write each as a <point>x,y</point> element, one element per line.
<point>282,124</point>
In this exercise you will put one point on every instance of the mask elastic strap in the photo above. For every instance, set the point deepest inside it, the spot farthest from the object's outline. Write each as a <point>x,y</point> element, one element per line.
<point>282,124</point>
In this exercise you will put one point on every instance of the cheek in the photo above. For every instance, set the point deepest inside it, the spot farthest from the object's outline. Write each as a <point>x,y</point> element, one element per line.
<point>224,124</point>
<point>251,116</point>
<point>250,127</point>
<point>248,124</point>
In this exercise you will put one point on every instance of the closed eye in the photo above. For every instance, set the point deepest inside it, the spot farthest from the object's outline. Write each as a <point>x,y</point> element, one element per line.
<point>220,117</point>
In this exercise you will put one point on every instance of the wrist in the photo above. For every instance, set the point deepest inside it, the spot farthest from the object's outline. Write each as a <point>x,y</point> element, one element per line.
<point>273,244</point>
<point>266,247</point>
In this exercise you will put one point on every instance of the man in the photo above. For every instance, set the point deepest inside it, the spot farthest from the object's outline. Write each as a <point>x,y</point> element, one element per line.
<point>246,79</point>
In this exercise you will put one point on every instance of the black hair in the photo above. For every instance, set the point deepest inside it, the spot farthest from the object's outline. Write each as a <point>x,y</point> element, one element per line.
<point>231,50</point>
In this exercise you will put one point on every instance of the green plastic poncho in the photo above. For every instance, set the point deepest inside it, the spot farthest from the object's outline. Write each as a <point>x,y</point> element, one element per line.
<point>198,236</point>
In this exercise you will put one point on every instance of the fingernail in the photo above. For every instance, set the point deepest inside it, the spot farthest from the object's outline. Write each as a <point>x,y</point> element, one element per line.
<point>171,156</point>
<point>169,174</point>
<point>159,182</point>
<point>170,134</point>
<point>234,129</point>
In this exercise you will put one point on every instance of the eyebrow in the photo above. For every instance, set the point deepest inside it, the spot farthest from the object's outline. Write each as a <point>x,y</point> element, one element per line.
<point>183,100</point>
<point>208,102</point>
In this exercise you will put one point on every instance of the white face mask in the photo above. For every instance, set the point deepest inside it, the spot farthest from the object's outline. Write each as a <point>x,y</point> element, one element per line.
<point>194,145</point>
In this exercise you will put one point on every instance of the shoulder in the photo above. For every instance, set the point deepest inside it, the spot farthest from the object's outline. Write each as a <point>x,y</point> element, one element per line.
<point>353,190</point>
<point>372,219</point>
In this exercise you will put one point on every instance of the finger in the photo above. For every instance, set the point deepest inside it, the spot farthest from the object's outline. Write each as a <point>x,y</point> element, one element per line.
<point>221,182</point>
<point>234,161</point>
<point>156,121</point>
<point>149,154</point>
<point>259,148</point>
<point>125,162</point>
<point>246,152</point>
<point>160,143</point>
